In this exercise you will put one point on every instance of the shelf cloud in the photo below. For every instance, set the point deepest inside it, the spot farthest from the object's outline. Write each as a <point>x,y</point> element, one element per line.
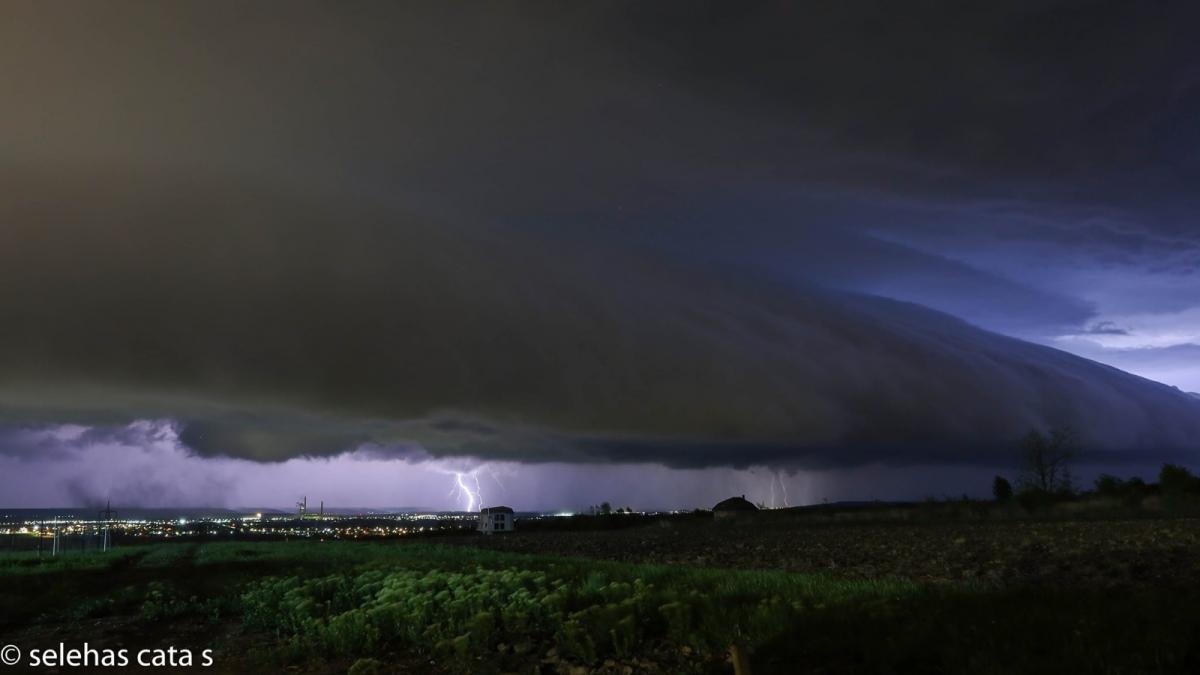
<point>271,325</point>
<point>684,233</point>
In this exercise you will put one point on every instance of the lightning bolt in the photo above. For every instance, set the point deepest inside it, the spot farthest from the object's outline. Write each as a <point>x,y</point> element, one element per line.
<point>783,487</point>
<point>474,497</point>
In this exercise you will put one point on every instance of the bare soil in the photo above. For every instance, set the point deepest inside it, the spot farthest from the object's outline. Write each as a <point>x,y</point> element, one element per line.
<point>1104,553</point>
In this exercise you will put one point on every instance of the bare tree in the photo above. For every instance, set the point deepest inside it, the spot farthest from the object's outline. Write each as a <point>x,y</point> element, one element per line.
<point>1046,457</point>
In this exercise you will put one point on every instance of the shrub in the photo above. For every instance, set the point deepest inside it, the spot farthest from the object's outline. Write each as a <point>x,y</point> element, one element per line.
<point>1108,485</point>
<point>1173,479</point>
<point>508,616</point>
<point>1001,489</point>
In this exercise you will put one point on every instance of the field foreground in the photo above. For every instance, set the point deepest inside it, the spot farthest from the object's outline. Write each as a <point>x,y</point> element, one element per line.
<point>416,607</point>
<point>1059,553</point>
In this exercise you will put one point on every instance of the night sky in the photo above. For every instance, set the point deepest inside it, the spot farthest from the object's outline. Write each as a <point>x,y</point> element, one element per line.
<point>651,253</point>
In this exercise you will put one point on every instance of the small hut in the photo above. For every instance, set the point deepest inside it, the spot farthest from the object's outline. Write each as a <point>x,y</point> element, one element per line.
<point>496,519</point>
<point>735,507</point>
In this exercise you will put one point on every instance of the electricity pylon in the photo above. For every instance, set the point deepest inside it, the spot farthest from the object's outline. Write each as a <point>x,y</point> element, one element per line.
<point>107,516</point>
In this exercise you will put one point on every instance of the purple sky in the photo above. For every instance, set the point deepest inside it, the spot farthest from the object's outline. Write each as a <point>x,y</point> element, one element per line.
<point>149,466</point>
<point>652,254</point>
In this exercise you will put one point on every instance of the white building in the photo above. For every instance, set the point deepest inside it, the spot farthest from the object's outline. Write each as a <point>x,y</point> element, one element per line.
<point>496,519</point>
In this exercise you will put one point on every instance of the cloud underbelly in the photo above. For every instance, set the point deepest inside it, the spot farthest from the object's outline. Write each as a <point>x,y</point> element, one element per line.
<point>271,328</point>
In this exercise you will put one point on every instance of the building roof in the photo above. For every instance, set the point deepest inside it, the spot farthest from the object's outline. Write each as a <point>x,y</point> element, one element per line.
<point>497,509</point>
<point>735,504</point>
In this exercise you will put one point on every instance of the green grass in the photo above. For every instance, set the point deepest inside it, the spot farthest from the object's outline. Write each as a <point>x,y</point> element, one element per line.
<point>462,606</point>
<point>472,610</point>
<point>22,563</point>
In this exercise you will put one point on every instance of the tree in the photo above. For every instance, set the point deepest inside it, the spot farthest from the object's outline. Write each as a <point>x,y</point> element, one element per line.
<point>1001,489</point>
<point>605,508</point>
<point>1045,458</point>
<point>1108,485</point>
<point>1174,479</point>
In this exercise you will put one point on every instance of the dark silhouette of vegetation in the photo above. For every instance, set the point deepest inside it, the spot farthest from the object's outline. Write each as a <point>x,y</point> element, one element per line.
<point>1177,480</point>
<point>606,509</point>
<point>1108,485</point>
<point>1002,489</point>
<point>1045,461</point>
<point>1177,487</point>
<point>602,509</point>
<point>1131,492</point>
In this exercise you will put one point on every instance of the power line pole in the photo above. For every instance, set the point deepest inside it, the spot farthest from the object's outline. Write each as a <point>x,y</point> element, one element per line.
<point>107,516</point>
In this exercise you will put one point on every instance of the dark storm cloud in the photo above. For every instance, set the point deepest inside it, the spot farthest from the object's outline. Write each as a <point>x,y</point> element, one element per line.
<point>327,326</point>
<point>483,230</point>
<point>42,440</point>
<point>869,265</point>
<point>30,443</point>
<point>584,107</point>
<point>1105,328</point>
<point>1046,97</point>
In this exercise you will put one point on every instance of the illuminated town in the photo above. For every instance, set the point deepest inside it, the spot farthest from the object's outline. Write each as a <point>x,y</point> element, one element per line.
<point>65,531</point>
<point>84,531</point>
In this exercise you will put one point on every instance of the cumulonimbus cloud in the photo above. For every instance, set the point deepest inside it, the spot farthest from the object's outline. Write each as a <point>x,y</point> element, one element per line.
<point>272,325</point>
